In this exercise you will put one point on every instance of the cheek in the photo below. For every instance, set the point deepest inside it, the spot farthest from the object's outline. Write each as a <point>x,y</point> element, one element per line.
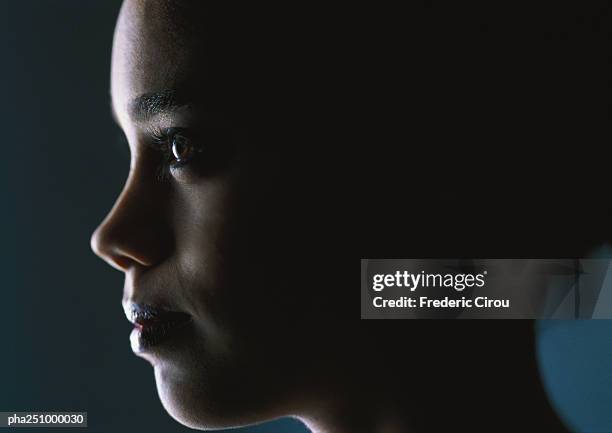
<point>232,244</point>
<point>242,289</point>
<point>203,234</point>
<point>215,253</point>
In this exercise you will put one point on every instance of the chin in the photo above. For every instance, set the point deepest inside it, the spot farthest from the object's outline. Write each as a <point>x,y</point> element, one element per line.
<point>177,396</point>
<point>185,400</point>
<point>190,399</point>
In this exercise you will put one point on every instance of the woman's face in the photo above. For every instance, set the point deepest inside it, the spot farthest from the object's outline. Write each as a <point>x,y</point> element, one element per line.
<point>204,226</point>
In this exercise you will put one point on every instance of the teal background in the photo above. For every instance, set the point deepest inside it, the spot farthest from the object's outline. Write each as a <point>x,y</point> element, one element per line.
<point>576,365</point>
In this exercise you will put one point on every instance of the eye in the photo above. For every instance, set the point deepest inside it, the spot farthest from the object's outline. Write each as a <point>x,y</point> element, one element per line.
<point>182,148</point>
<point>177,146</point>
<point>186,152</point>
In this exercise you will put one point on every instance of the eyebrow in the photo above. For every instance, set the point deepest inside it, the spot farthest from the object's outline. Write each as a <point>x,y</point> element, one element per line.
<point>146,106</point>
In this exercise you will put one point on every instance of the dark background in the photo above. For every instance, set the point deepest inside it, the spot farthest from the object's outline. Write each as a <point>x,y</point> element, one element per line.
<point>64,338</point>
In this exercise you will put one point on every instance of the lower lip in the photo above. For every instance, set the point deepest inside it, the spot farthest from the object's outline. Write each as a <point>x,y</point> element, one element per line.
<point>144,338</point>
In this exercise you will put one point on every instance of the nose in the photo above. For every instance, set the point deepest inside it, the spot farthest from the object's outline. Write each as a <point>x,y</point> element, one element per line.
<point>134,233</point>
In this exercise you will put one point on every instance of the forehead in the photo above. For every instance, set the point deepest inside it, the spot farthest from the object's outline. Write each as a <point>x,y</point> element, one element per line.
<point>148,56</point>
<point>222,59</point>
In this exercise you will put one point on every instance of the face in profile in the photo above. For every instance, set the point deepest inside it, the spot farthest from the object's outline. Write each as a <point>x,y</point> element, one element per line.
<point>209,227</point>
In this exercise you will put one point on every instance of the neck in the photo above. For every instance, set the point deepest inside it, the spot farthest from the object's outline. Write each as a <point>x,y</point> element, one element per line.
<point>462,384</point>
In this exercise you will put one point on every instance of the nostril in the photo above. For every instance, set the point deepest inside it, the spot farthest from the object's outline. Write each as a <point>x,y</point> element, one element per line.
<point>121,263</point>
<point>124,248</point>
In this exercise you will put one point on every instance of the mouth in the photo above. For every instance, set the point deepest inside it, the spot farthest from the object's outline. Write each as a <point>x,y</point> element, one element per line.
<point>153,326</point>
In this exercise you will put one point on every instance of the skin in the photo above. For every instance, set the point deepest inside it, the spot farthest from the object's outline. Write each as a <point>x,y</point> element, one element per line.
<point>209,239</point>
<point>230,238</point>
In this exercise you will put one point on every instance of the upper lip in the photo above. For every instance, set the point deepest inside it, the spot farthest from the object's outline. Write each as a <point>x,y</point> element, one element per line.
<point>144,315</point>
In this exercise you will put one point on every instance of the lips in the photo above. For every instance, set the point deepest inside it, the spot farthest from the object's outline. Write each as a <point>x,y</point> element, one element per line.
<point>152,325</point>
